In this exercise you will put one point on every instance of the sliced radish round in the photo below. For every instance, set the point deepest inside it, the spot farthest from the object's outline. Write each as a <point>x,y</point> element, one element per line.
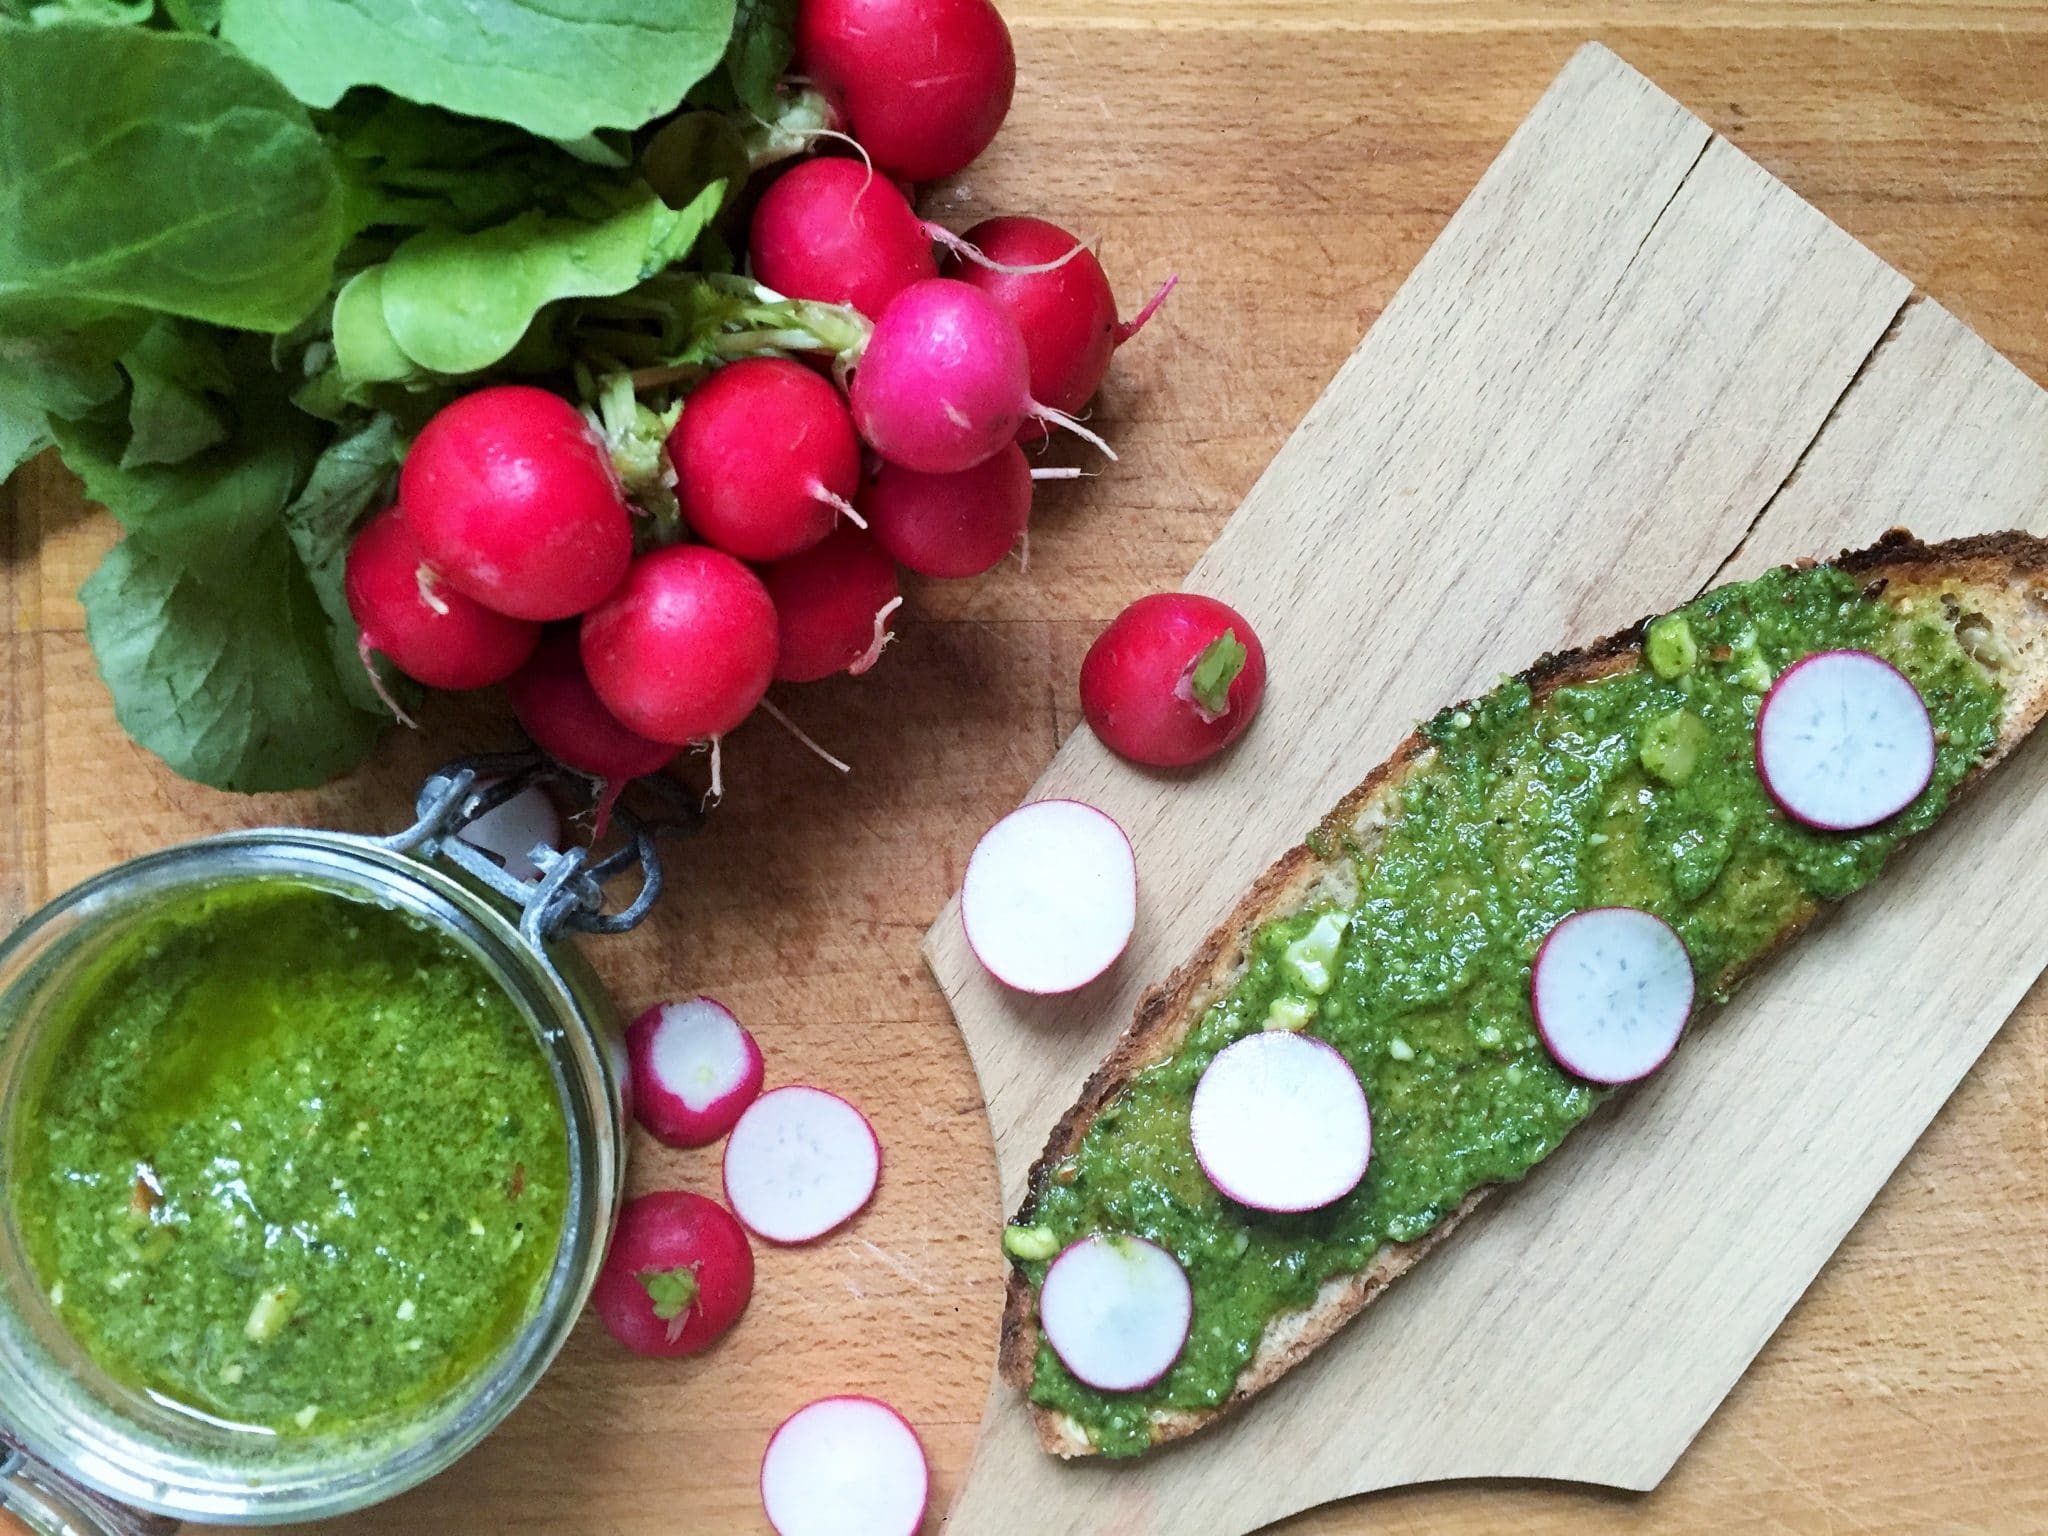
<point>1612,988</point>
<point>695,1070</point>
<point>1116,1310</point>
<point>1050,897</point>
<point>511,832</point>
<point>845,1466</point>
<point>1843,740</point>
<point>800,1162</point>
<point>1280,1123</point>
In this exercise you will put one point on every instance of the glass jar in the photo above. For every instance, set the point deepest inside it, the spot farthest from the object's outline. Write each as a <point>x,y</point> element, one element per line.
<point>115,1439</point>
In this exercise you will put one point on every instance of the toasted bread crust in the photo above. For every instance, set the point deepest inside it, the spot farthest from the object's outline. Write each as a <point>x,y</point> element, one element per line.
<point>1998,581</point>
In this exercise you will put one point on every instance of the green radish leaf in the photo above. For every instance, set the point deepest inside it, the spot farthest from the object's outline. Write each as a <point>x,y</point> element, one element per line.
<point>153,170</point>
<point>692,151</point>
<point>455,303</point>
<point>561,70</point>
<point>177,384</point>
<point>24,429</point>
<point>763,39</point>
<point>351,478</point>
<point>1214,671</point>
<point>224,671</point>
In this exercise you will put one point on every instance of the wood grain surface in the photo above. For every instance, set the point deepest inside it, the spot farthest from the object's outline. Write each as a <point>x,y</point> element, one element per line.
<point>1293,160</point>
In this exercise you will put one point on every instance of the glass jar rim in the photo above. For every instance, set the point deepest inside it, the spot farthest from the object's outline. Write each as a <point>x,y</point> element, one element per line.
<point>83,1433</point>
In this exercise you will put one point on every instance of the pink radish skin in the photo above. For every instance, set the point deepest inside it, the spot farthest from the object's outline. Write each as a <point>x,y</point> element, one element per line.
<point>1067,315</point>
<point>954,525</point>
<point>833,604</point>
<point>1050,896</point>
<point>1140,681</point>
<point>511,832</point>
<point>923,84</point>
<point>1116,1310</point>
<point>678,1275</point>
<point>514,500</point>
<point>834,231</point>
<point>945,381</point>
<point>555,705</point>
<point>1611,989</point>
<point>800,1163</point>
<point>1844,741</point>
<point>695,1070</point>
<point>1279,1123</point>
<point>685,647</point>
<point>421,625</point>
<point>765,457</point>
<point>845,1466</point>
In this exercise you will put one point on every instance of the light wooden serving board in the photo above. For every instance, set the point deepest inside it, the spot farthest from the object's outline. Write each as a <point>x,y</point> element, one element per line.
<point>1632,366</point>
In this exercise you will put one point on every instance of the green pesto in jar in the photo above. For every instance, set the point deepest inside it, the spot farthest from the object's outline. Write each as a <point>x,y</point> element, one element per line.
<point>294,1161</point>
<point>1636,789</point>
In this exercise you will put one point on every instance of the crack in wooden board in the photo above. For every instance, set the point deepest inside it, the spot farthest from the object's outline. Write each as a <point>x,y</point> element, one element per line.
<point>1592,394</point>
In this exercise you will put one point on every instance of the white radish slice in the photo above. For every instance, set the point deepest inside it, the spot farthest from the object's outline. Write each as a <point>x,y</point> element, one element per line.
<point>800,1162</point>
<point>1280,1123</point>
<point>845,1466</point>
<point>1843,741</point>
<point>695,1070</point>
<point>1612,988</point>
<point>1050,897</point>
<point>1116,1311</point>
<point>510,832</point>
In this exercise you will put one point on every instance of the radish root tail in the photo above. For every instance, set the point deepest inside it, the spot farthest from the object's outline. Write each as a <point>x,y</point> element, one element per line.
<point>1055,472</point>
<point>1062,419</point>
<point>968,251</point>
<point>883,635</point>
<point>802,735</point>
<point>368,655</point>
<point>1129,328</point>
<point>839,504</point>
<point>423,579</point>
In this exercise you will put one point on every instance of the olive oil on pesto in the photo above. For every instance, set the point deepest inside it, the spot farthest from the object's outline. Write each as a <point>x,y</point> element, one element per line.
<point>1635,789</point>
<point>295,1161</point>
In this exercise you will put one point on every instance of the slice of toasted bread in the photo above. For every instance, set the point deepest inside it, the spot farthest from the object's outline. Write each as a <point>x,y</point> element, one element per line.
<point>1991,590</point>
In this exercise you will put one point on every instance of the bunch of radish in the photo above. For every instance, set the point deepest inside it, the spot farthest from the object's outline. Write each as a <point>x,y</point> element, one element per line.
<point>631,624</point>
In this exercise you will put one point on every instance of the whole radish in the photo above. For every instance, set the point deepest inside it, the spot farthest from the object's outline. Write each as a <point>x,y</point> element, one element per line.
<point>960,524</point>
<point>678,1274</point>
<point>832,606</point>
<point>423,626</point>
<point>685,647</point>
<point>1174,679</point>
<point>944,381</point>
<point>1066,313</point>
<point>765,458</point>
<point>835,231</point>
<point>923,84</point>
<point>556,706</point>
<point>514,500</point>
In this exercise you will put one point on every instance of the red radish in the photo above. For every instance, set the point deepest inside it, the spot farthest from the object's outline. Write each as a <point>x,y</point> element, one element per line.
<point>801,1162</point>
<point>923,84</point>
<point>512,831</point>
<point>1843,741</point>
<point>685,647</point>
<point>945,381</point>
<point>1051,896</point>
<point>951,525</point>
<point>554,703</point>
<point>765,458</point>
<point>845,1466</point>
<point>1611,988</point>
<point>832,607</point>
<point>515,502</point>
<point>834,231</point>
<point>678,1275</point>
<point>1279,1122</point>
<point>1116,1311</point>
<point>1173,680</point>
<point>423,626</point>
<point>695,1070</point>
<point>1066,313</point>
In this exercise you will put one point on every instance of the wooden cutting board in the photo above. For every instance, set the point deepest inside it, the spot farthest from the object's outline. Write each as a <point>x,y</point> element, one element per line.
<point>1632,366</point>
